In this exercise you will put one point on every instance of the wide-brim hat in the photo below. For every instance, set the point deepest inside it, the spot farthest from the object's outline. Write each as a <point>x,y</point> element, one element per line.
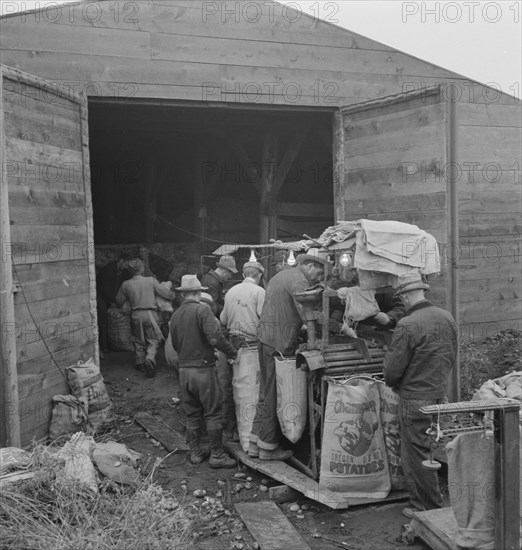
<point>255,265</point>
<point>406,284</point>
<point>190,283</point>
<point>313,255</point>
<point>227,262</point>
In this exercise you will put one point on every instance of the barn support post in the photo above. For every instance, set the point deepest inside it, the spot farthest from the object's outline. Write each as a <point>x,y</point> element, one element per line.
<point>268,222</point>
<point>453,232</point>
<point>200,207</point>
<point>9,406</point>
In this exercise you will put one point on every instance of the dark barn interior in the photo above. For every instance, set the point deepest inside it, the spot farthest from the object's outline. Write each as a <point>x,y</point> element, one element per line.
<point>186,174</point>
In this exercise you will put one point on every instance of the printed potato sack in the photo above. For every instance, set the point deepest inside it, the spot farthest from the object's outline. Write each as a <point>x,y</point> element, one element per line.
<point>391,432</point>
<point>353,456</point>
<point>86,381</point>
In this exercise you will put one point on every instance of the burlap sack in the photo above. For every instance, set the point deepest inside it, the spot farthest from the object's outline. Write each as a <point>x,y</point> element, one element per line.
<point>392,436</point>
<point>119,331</point>
<point>291,398</point>
<point>245,387</point>
<point>353,454</point>
<point>86,381</point>
<point>70,415</point>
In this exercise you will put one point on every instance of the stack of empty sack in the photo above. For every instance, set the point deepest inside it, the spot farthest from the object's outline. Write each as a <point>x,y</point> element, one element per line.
<point>360,455</point>
<point>88,409</point>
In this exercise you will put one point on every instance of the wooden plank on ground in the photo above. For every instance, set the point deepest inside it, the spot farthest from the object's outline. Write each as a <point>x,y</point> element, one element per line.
<point>300,482</point>
<point>269,527</point>
<point>437,528</point>
<point>169,438</point>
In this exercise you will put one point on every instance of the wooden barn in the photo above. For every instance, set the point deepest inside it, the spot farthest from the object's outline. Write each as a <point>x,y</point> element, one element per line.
<point>185,124</point>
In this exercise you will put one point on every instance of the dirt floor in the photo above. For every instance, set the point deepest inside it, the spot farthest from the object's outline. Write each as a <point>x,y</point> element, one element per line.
<point>370,527</point>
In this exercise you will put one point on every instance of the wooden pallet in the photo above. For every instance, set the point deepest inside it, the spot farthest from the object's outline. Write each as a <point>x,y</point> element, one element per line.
<point>284,473</point>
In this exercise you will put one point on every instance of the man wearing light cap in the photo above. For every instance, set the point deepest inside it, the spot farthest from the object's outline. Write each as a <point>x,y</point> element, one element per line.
<point>141,293</point>
<point>417,365</point>
<point>214,280</point>
<point>240,316</point>
<point>281,319</point>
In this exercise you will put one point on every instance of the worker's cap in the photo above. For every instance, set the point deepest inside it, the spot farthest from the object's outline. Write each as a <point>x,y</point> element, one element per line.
<point>190,283</point>
<point>227,262</point>
<point>255,265</point>
<point>207,298</point>
<point>313,255</point>
<point>135,266</point>
<point>410,282</point>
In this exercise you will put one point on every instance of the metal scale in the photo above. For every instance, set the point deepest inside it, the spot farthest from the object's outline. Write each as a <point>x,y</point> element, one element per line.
<point>434,526</point>
<point>332,356</point>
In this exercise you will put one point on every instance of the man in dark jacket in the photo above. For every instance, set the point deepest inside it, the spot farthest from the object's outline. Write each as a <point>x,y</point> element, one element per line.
<point>417,365</point>
<point>214,280</point>
<point>281,319</point>
<point>195,332</point>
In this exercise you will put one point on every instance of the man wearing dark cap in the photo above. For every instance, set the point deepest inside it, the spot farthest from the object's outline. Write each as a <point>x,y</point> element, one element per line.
<point>195,332</point>
<point>281,319</point>
<point>417,365</point>
<point>214,280</point>
<point>141,294</point>
<point>240,316</point>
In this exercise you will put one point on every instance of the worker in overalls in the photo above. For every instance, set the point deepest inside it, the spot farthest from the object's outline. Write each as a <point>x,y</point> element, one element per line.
<point>141,294</point>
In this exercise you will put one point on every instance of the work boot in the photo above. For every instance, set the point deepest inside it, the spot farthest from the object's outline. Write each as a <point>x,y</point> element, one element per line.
<point>218,457</point>
<point>149,369</point>
<point>197,453</point>
<point>276,454</point>
<point>253,450</point>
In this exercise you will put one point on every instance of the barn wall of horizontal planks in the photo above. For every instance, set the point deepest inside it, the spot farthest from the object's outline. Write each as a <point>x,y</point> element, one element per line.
<point>48,313</point>
<point>324,125</point>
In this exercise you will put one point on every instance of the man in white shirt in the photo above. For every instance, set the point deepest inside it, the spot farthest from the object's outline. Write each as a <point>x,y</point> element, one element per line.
<point>240,315</point>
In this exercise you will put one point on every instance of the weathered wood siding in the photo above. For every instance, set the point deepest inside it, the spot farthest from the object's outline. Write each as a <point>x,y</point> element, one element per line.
<point>222,52</point>
<point>392,158</point>
<point>52,246</point>
<point>211,51</point>
<point>490,220</point>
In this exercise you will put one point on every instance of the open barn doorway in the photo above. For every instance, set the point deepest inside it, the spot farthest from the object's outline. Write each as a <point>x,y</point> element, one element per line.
<point>187,174</point>
<point>180,180</point>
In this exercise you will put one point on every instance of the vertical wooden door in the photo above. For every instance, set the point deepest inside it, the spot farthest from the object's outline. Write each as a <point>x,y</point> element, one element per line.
<point>52,322</point>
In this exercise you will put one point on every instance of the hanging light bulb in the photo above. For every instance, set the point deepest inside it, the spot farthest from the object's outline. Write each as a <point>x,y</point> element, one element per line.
<point>345,260</point>
<point>291,261</point>
<point>253,257</point>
